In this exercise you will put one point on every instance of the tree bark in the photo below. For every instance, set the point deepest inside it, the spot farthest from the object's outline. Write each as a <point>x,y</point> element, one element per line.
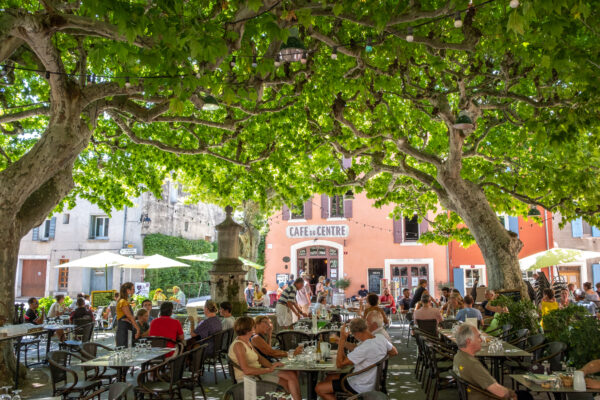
<point>250,236</point>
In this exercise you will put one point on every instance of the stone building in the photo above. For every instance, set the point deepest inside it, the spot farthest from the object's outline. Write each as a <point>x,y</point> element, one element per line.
<point>86,230</point>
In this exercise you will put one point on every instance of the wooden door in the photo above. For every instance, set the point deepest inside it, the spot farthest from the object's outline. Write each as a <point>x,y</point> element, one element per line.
<point>33,278</point>
<point>571,275</point>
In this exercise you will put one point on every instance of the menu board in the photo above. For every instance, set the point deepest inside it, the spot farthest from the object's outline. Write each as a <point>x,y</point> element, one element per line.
<point>102,298</point>
<point>514,295</point>
<point>375,276</point>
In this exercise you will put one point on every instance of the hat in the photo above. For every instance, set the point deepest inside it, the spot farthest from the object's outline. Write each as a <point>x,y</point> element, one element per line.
<point>176,287</point>
<point>158,290</point>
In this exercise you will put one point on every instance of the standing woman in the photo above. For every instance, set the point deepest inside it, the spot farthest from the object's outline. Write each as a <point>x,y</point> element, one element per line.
<point>320,286</point>
<point>126,320</point>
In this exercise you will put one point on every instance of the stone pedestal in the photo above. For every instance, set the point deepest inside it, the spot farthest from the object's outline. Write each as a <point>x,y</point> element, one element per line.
<point>227,276</point>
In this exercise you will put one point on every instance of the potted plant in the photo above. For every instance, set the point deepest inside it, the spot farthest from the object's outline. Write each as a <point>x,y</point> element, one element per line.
<point>342,284</point>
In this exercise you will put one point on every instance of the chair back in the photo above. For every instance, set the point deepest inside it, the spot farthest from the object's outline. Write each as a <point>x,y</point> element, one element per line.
<point>197,359</point>
<point>177,367</point>
<point>289,340</point>
<point>448,323</point>
<point>160,341</point>
<point>555,353</point>
<point>119,390</point>
<point>536,340</point>
<point>84,328</point>
<point>226,340</point>
<point>372,395</point>
<point>428,325</point>
<point>58,359</point>
<point>236,392</point>
<point>465,387</point>
<point>231,367</point>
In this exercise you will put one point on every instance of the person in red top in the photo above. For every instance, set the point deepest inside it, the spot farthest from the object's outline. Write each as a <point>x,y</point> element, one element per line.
<point>387,300</point>
<point>165,326</point>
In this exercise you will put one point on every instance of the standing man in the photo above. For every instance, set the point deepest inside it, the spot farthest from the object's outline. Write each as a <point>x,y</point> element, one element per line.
<point>418,293</point>
<point>286,306</point>
<point>304,295</point>
<point>249,294</point>
<point>467,367</point>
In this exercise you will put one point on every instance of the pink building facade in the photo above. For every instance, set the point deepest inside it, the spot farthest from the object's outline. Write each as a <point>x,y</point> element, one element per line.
<point>342,237</point>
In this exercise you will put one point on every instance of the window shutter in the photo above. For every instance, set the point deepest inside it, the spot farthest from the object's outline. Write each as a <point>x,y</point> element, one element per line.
<point>106,220</point>
<point>595,232</point>
<point>91,233</point>
<point>308,209</point>
<point>346,163</point>
<point>596,273</point>
<point>577,227</point>
<point>398,230</point>
<point>423,227</point>
<point>35,233</point>
<point>513,225</point>
<point>324,206</point>
<point>285,213</point>
<point>459,280</point>
<point>347,208</point>
<point>52,228</point>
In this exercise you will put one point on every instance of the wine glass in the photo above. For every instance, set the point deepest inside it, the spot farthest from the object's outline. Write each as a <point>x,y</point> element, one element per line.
<point>5,395</point>
<point>16,395</point>
<point>291,355</point>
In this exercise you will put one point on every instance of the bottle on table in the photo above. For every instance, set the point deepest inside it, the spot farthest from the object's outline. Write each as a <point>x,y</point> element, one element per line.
<point>319,355</point>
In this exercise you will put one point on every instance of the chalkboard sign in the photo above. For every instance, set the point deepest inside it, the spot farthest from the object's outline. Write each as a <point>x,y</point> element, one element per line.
<point>102,298</point>
<point>514,295</point>
<point>375,276</point>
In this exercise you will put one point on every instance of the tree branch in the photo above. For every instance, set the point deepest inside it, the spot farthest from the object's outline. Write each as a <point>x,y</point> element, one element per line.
<point>17,116</point>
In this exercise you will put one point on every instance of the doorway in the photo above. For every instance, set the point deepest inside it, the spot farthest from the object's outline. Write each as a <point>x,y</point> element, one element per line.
<point>571,275</point>
<point>317,267</point>
<point>33,278</point>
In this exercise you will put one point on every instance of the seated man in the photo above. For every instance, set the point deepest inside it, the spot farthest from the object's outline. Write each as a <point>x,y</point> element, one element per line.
<point>141,317</point>
<point>469,311</point>
<point>209,326</point>
<point>387,301</point>
<point>165,326</point>
<point>372,349</point>
<point>32,316</point>
<point>470,369</point>
<point>404,302</point>
<point>362,293</point>
<point>178,296</point>
<point>82,311</point>
<point>426,311</point>
<point>147,305</point>
<point>488,309</point>
<point>580,300</point>
<point>225,311</point>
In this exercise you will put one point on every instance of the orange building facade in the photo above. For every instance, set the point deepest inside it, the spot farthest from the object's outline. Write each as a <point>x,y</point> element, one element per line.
<point>338,237</point>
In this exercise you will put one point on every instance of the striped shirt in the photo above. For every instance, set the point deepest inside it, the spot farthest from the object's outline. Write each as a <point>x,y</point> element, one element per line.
<point>288,295</point>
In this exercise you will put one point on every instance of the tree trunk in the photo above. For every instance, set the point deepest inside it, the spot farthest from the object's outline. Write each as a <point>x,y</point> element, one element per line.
<point>250,236</point>
<point>500,247</point>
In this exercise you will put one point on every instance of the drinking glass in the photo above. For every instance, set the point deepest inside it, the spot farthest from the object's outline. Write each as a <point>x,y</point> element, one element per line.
<point>291,355</point>
<point>16,395</point>
<point>5,395</point>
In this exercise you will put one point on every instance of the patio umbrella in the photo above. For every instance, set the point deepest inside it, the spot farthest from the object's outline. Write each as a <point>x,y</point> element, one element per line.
<point>212,257</point>
<point>555,256</point>
<point>155,262</point>
<point>100,260</point>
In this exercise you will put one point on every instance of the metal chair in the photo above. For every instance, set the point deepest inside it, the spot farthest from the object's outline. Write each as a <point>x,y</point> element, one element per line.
<point>464,387</point>
<point>23,344</point>
<point>216,356</point>
<point>89,351</point>
<point>59,372</point>
<point>168,385</point>
<point>428,325</point>
<point>236,392</point>
<point>116,391</point>
<point>345,393</point>
<point>84,329</point>
<point>193,377</point>
<point>289,340</point>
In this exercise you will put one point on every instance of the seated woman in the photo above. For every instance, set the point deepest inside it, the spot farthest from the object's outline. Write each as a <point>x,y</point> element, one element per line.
<point>373,305</point>
<point>321,307</point>
<point>159,295</point>
<point>261,340</point>
<point>547,304</point>
<point>243,353</point>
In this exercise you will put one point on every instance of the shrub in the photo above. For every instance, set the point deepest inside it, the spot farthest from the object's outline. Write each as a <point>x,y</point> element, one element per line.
<point>342,284</point>
<point>521,314</point>
<point>46,302</point>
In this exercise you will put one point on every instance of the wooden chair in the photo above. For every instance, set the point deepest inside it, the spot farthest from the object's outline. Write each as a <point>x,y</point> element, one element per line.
<point>167,385</point>
<point>89,351</point>
<point>84,329</point>
<point>116,391</point>
<point>193,377</point>
<point>289,340</point>
<point>236,392</point>
<point>428,325</point>
<point>59,373</point>
<point>464,388</point>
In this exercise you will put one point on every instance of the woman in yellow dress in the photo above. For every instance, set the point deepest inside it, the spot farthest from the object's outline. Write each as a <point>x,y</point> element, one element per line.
<point>548,303</point>
<point>159,295</point>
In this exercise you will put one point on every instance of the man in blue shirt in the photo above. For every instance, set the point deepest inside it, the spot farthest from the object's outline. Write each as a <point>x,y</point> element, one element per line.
<point>581,301</point>
<point>468,311</point>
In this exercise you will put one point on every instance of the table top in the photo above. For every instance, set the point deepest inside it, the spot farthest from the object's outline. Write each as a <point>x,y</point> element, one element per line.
<point>139,358</point>
<point>508,350</point>
<point>326,366</point>
<point>310,332</point>
<point>534,387</point>
<point>20,335</point>
<point>55,327</point>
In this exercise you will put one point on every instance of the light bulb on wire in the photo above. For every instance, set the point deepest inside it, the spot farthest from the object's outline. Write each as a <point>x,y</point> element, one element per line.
<point>409,34</point>
<point>304,57</point>
<point>232,63</point>
<point>368,46</point>
<point>334,53</point>
<point>254,62</point>
<point>514,3</point>
<point>277,60</point>
<point>457,20</point>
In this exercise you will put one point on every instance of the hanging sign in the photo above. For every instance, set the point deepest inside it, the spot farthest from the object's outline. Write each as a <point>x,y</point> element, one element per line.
<point>317,231</point>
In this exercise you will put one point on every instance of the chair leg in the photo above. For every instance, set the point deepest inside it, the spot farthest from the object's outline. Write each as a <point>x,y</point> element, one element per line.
<point>38,353</point>
<point>215,370</point>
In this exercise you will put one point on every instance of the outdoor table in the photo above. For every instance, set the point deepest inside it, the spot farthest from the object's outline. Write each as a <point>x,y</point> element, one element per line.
<point>51,328</point>
<point>18,339</point>
<point>496,358</point>
<point>559,393</point>
<point>310,332</point>
<point>140,358</point>
<point>312,371</point>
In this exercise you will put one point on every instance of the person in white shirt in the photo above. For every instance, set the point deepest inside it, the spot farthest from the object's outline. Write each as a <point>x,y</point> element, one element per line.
<point>304,295</point>
<point>228,320</point>
<point>372,349</point>
<point>57,308</point>
<point>375,325</point>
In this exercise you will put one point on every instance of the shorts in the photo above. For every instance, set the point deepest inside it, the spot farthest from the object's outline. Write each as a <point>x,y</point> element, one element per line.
<point>284,315</point>
<point>337,385</point>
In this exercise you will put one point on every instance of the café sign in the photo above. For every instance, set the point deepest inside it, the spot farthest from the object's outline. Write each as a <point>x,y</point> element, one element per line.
<point>317,231</point>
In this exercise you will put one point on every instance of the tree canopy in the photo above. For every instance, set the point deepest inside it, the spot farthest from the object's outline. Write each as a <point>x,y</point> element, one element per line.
<point>103,99</point>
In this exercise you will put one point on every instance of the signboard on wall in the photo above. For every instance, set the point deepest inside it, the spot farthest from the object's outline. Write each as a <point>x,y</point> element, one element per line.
<point>375,276</point>
<point>142,288</point>
<point>282,278</point>
<point>102,298</point>
<point>317,231</point>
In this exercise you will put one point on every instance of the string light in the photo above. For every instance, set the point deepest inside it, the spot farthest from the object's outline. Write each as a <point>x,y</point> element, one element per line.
<point>368,46</point>
<point>304,58</point>
<point>232,62</point>
<point>334,53</point>
<point>254,62</point>
<point>409,34</point>
<point>458,20</point>
<point>514,3</point>
<point>277,60</point>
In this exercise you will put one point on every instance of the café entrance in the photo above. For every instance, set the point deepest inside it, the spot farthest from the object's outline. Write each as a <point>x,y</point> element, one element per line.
<point>318,261</point>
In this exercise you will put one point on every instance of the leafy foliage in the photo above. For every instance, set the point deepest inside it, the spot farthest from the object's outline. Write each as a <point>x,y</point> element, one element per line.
<point>46,302</point>
<point>342,284</point>
<point>172,247</point>
<point>556,322</point>
<point>521,314</point>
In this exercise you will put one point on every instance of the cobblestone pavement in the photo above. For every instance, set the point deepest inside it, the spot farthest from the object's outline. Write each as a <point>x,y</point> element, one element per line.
<point>401,380</point>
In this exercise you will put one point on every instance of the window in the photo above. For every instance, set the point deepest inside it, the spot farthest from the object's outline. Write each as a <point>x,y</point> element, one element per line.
<point>46,234</point>
<point>471,275</point>
<point>187,226</point>
<point>336,207</point>
<point>297,212</point>
<point>63,276</point>
<point>99,227</point>
<point>66,218</point>
<point>411,229</point>
<point>45,231</point>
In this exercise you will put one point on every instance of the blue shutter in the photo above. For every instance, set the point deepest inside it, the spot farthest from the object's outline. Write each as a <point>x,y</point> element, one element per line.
<point>35,233</point>
<point>577,227</point>
<point>596,273</point>
<point>595,232</point>
<point>459,280</point>
<point>513,225</point>
<point>52,229</point>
